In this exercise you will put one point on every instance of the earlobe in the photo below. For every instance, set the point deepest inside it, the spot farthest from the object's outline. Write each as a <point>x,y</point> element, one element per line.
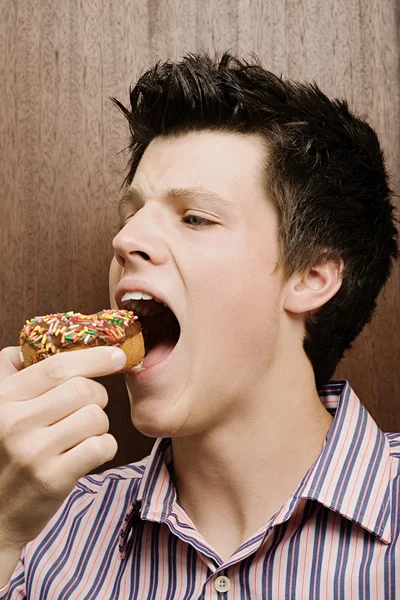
<point>314,288</point>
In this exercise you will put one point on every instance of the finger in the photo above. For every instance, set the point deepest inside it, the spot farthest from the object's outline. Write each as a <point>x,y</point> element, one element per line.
<point>10,361</point>
<point>52,372</point>
<point>69,432</point>
<point>63,401</point>
<point>83,458</point>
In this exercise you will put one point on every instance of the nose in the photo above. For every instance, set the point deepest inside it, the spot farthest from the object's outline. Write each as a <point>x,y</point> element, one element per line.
<point>141,239</point>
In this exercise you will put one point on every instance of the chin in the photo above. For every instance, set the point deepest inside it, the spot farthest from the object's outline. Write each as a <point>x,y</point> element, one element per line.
<point>154,428</point>
<point>155,422</point>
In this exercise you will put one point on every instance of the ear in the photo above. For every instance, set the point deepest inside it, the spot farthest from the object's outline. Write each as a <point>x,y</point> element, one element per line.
<point>114,277</point>
<point>315,287</point>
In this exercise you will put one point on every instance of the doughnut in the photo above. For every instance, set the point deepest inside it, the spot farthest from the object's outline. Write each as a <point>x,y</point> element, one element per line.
<point>45,336</point>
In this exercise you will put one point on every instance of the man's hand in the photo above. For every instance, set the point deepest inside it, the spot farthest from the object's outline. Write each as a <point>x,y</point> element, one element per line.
<point>53,430</point>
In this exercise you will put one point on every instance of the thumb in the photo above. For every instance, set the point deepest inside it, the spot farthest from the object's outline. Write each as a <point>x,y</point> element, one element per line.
<point>10,361</point>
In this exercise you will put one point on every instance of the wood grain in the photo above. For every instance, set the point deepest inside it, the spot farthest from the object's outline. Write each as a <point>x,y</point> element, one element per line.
<point>61,141</point>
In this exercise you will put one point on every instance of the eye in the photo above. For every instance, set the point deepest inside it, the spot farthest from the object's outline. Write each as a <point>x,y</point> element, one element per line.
<point>200,221</point>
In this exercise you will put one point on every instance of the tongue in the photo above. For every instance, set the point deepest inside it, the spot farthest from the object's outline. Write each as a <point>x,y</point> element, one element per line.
<point>159,353</point>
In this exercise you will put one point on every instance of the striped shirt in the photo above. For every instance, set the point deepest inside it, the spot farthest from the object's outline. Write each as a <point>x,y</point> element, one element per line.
<point>122,534</point>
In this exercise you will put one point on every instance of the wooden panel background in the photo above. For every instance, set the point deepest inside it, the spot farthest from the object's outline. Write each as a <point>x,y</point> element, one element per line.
<point>61,137</point>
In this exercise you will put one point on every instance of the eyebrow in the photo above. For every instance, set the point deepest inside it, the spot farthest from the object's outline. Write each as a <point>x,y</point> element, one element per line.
<point>214,200</point>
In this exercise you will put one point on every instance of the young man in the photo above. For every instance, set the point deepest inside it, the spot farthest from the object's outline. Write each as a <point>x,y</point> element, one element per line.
<point>259,212</point>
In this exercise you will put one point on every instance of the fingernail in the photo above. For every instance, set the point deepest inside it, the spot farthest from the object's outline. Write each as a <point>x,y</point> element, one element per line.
<point>119,358</point>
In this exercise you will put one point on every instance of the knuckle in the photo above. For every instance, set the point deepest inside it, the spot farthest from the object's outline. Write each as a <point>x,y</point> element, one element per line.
<point>54,369</point>
<point>100,393</point>
<point>6,424</point>
<point>26,459</point>
<point>95,449</point>
<point>112,445</point>
<point>9,423</point>
<point>97,417</point>
<point>47,485</point>
<point>15,449</point>
<point>5,353</point>
<point>81,386</point>
<point>22,456</point>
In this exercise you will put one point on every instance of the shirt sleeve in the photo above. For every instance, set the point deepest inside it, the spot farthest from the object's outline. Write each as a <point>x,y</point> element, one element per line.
<point>15,589</point>
<point>64,536</point>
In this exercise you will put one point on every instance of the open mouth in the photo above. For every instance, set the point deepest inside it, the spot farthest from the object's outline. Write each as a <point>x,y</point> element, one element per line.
<point>160,327</point>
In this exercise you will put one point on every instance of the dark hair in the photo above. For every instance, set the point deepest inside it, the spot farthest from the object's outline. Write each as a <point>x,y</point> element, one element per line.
<point>324,172</point>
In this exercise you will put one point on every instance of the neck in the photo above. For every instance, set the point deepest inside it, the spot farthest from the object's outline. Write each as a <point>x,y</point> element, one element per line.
<point>242,470</point>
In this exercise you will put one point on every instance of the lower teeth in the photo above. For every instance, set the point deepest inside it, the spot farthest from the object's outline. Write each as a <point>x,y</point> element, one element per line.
<point>138,368</point>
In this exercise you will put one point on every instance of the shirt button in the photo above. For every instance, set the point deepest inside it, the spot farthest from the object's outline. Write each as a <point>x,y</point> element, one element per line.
<point>222,583</point>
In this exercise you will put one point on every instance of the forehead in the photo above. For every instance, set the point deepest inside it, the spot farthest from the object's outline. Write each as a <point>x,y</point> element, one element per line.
<point>230,165</point>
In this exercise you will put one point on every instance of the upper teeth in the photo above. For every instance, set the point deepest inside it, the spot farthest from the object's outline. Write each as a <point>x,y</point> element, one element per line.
<point>136,296</point>
<point>132,301</point>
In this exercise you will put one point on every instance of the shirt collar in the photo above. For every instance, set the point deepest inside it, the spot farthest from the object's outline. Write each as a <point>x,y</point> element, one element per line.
<point>157,491</point>
<point>156,494</point>
<point>351,476</point>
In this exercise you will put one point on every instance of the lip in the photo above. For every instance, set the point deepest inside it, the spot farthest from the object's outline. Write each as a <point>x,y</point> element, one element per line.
<point>139,285</point>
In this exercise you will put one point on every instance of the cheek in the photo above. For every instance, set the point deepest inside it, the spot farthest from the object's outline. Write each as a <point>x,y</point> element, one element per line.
<point>245,304</point>
<point>240,314</point>
<point>114,277</point>
<point>248,331</point>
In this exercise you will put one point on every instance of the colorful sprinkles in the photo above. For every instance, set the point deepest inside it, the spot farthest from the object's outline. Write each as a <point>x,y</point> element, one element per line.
<point>49,334</point>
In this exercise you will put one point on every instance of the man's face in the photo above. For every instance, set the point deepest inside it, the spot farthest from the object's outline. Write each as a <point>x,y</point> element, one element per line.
<point>218,276</point>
